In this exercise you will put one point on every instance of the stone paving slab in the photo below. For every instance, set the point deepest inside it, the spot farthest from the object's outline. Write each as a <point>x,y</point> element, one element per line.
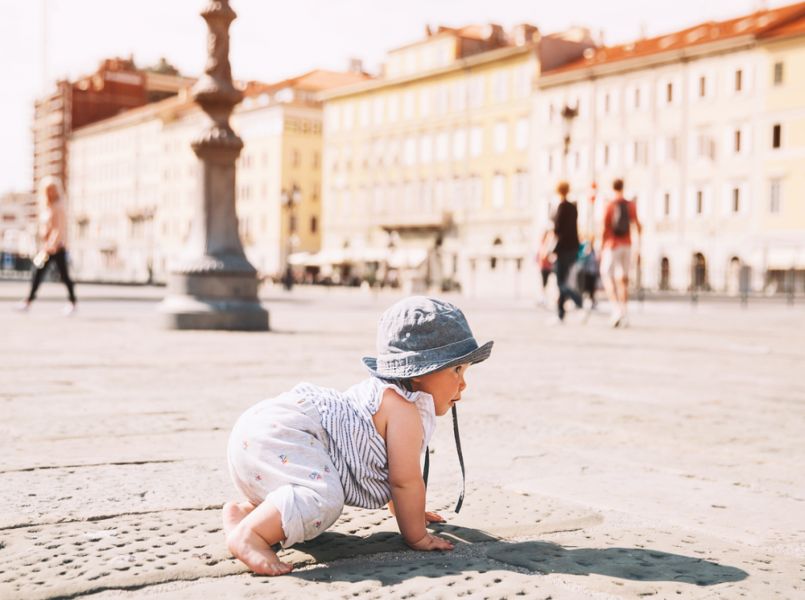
<point>133,550</point>
<point>663,461</point>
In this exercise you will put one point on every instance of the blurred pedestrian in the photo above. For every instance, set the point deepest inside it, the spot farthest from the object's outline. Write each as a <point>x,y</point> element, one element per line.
<point>588,273</point>
<point>566,231</point>
<point>620,215</point>
<point>545,261</point>
<point>53,240</point>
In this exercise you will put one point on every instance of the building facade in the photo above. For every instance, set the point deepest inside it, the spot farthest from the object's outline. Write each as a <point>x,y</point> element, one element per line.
<point>118,85</point>
<point>18,225</point>
<point>426,178</point>
<point>705,139</point>
<point>133,181</point>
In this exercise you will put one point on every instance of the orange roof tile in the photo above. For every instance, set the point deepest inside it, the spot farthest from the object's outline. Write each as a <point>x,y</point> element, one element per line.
<point>786,20</point>
<point>312,81</point>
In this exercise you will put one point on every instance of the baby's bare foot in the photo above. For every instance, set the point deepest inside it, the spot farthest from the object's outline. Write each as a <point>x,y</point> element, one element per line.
<point>255,553</point>
<point>234,513</point>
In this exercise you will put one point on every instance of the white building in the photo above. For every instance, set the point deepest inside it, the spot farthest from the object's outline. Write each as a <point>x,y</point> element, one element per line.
<point>133,180</point>
<point>682,119</point>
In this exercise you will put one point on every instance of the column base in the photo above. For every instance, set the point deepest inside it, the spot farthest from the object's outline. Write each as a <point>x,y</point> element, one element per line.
<point>225,301</point>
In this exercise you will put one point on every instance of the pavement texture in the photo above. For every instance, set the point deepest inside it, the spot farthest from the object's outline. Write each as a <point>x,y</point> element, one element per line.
<point>665,460</point>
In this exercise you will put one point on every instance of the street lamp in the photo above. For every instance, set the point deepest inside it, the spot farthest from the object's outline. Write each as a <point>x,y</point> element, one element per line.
<point>290,198</point>
<point>568,114</point>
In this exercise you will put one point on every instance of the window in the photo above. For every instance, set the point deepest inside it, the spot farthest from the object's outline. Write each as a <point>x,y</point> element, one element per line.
<point>739,80</point>
<point>735,204</point>
<point>424,102</point>
<point>425,149</point>
<point>706,146</point>
<point>377,110</point>
<point>498,190</point>
<point>441,146</point>
<point>475,192</point>
<point>778,73</point>
<point>737,141</point>
<point>314,224</point>
<point>476,91</point>
<point>459,144</point>
<point>408,105</point>
<point>521,134</point>
<point>501,86</point>
<point>606,103</point>
<point>637,98</point>
<point>606,155</point>
<point>666,204</point>
<point>671,148</point>
<point>460,95</point>
<point>774,197</point>
<point>296,158</point>
<point>409,151</point>
<point>363,114</point>
<point>776,135</point>
<point>702,87</point>
<point>521,189</point>
<point>476,141</point>
<point>699,202</point>
<point>394,108</point>
<point>669,92</point>
<point>501,137</point>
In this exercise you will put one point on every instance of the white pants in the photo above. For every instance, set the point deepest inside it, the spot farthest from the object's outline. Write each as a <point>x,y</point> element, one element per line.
<point>616,262</point>
<point>278,452</point>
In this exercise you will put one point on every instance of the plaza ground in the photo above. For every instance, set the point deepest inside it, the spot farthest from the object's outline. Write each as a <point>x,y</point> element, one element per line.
<point>665,460</point>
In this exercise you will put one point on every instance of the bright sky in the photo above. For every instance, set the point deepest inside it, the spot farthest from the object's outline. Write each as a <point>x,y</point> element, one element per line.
<point>273,39</point>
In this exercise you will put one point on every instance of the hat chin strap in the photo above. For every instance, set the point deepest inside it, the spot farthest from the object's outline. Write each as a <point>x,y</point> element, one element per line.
<point>426,467</point>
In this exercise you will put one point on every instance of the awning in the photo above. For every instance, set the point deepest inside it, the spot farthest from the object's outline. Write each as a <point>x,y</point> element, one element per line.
<point>322,258</point>
<point>407,258</point>
<point>781,259</point>
<point>300,258</point>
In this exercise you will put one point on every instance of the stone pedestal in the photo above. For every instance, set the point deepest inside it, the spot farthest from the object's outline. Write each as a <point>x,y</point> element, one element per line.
<point>212,285</point>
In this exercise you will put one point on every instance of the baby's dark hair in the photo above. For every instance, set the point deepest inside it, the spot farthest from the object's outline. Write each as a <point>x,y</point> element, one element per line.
<point>402,383</point>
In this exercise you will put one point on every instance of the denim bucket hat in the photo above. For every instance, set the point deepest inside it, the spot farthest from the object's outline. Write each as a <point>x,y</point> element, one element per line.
<point>420,335</point>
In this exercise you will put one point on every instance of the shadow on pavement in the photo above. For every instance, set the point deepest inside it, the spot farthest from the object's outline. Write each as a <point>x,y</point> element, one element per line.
<point>637,564</point>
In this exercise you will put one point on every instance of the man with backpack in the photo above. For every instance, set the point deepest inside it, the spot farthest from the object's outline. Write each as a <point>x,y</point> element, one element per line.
<point>616,251</point>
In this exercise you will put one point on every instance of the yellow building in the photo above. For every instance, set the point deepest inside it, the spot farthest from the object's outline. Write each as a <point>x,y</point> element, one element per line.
<point>782,224</point>
<point>133,181</point>
<point>426,169</point>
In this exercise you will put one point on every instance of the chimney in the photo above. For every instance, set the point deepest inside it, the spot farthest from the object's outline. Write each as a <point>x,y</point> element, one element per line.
<point>355,65</point>
<point>524,34</point>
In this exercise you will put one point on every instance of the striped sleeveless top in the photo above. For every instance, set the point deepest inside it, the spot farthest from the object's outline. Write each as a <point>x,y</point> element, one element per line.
<point>355,446</point>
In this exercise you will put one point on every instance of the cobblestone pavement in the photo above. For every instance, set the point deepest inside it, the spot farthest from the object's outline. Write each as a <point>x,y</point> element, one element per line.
<point>666,460</point>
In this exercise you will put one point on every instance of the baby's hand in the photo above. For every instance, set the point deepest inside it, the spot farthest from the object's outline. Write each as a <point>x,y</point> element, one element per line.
<point>430,542</point>
<point>432,517</point>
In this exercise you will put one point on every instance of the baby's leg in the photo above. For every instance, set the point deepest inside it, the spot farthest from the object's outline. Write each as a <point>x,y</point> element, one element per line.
<point>234,513</point>
<point>251,539</point>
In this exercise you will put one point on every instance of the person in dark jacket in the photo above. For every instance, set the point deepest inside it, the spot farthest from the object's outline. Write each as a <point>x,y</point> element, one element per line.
<point>566,233</point>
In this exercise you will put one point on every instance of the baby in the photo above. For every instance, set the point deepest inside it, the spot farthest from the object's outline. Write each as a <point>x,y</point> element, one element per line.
<point>300,457</point>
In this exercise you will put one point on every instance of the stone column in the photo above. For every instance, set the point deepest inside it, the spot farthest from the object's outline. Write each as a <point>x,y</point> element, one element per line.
<point>212,285</point>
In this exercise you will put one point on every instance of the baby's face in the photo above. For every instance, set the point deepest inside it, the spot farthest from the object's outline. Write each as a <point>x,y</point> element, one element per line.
<point>445,386</point>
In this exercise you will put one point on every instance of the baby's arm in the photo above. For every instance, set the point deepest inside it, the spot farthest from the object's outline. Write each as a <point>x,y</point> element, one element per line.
<point>403,442</point>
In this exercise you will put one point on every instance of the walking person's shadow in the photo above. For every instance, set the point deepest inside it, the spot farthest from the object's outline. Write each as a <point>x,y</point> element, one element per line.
<point>637,564</point>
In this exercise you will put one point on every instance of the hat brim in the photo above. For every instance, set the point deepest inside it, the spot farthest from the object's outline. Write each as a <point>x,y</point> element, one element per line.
<point>480,354</point>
